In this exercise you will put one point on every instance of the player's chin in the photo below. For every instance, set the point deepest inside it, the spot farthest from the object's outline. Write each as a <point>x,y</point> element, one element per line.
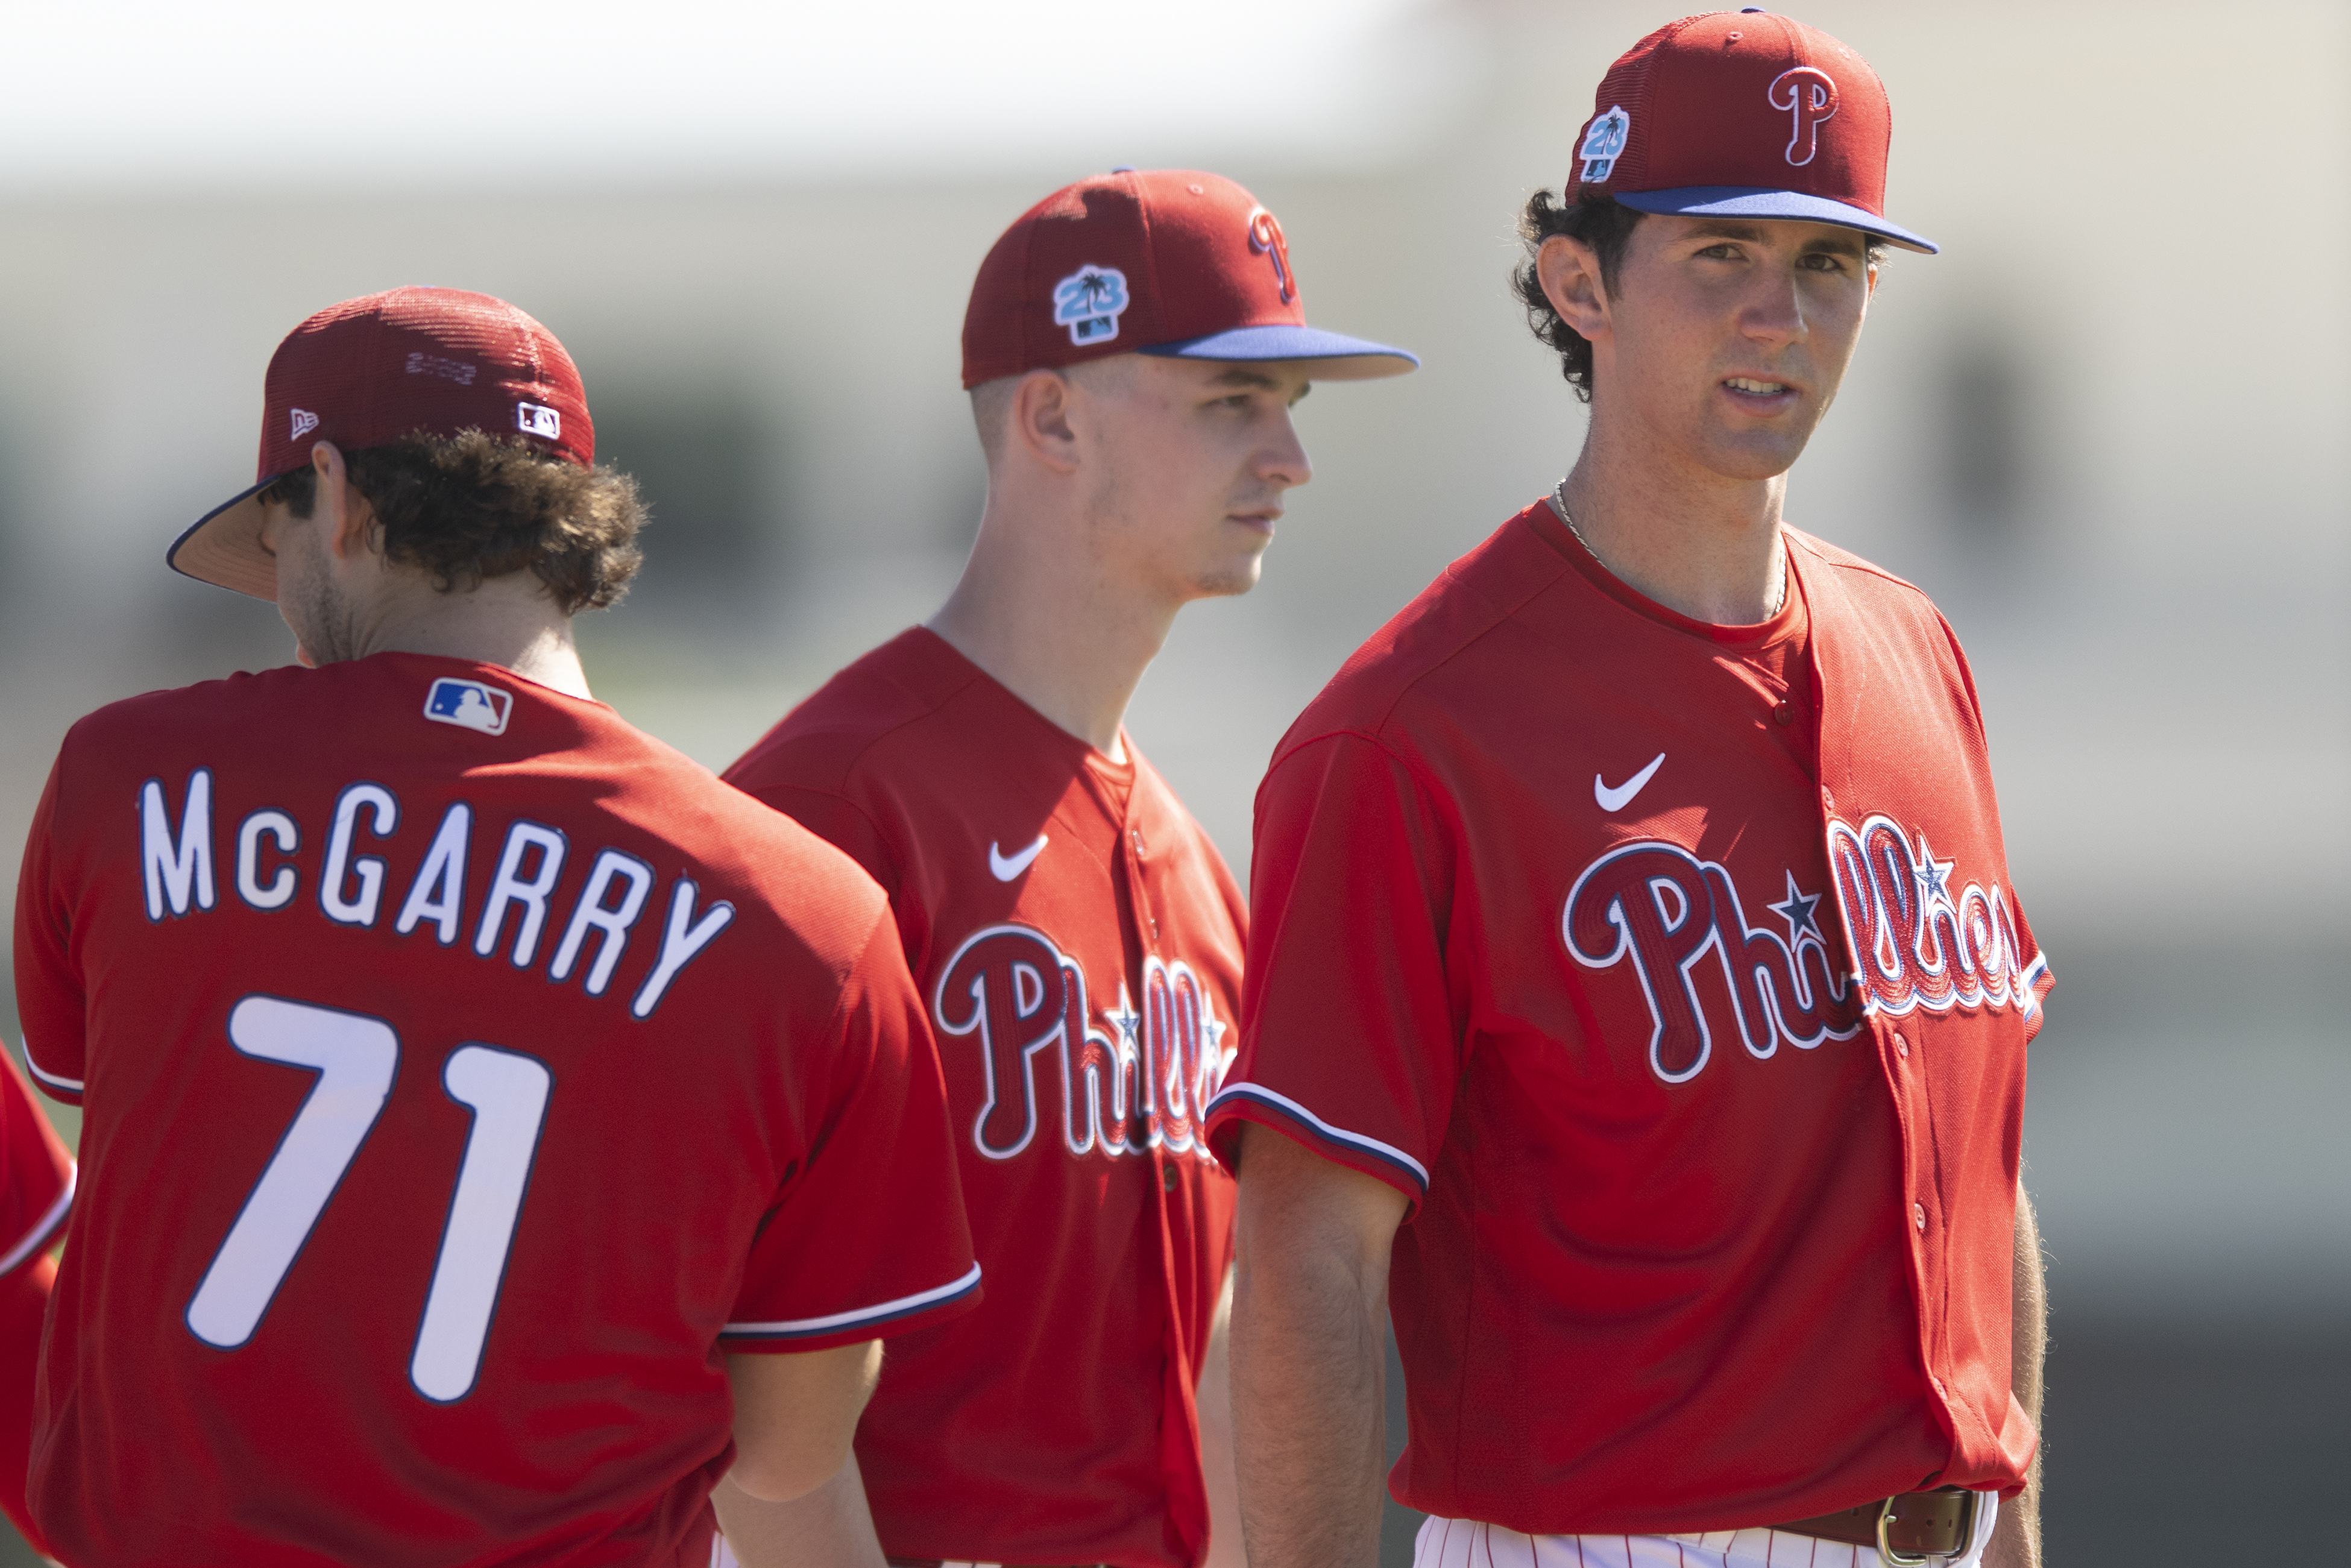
<point>1757,453</point>
<point>1227,579</point>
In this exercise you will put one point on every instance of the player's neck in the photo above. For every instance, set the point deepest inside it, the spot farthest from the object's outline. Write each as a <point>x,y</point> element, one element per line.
<point>1699,543</point>
<point>508,621</point>
<point>1049,622</point>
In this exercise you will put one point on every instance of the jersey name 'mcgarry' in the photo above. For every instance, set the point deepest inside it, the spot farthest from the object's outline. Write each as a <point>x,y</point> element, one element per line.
<point>525,861</point>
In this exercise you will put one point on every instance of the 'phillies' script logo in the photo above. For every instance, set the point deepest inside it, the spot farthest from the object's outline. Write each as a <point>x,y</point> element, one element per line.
<point>1265,239</point>
<point>1700,965</point>
<point>1810,96</point>
<point>1670,911</point>
<point>1143,1085</point>
<point>1918,943</point>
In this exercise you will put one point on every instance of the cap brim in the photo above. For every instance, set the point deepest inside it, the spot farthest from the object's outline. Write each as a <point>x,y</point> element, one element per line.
<point>1757,202</point>
<point>224,547</point>
<point>1336,357</point>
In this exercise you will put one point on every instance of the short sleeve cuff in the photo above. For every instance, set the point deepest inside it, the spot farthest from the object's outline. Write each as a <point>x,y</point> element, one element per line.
<point>57,1086</point>
<point>1238,1102</point>
<point>880,1321</point>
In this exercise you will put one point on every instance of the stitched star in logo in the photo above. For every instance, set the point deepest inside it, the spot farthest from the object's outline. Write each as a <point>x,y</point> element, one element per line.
<point>1123,1017</point>
<point>1797,909</point>
<point>1934,878</point>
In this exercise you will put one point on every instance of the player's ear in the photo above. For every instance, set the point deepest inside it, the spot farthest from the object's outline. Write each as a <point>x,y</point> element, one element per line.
<point>1041,419</point>
<point>350,518</point>
<point>1569,270</point>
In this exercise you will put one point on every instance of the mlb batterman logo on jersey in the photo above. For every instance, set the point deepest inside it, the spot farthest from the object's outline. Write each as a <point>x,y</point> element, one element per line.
<point>470,705</point>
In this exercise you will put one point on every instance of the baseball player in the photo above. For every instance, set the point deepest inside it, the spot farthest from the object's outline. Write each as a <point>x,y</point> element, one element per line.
<point>1638,998</point>
<point>477,1094</point>
<point>1133,347</point>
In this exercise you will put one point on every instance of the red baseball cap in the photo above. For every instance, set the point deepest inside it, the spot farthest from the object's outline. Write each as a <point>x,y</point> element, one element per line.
<point>1743,114</point>
<point>372,370</point>
<point>1170,262</point>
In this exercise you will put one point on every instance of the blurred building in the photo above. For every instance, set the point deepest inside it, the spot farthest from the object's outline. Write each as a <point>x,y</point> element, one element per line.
<point>2104,428</point>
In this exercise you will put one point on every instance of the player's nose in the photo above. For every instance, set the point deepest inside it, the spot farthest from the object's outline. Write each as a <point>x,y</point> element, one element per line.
<point>1282,460</point>
<point>1773,310</point>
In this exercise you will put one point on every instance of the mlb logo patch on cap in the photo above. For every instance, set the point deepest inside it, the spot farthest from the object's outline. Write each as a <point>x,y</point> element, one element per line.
<point>469,705</point>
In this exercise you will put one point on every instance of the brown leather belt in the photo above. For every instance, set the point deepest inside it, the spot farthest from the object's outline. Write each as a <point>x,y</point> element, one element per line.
<point>1915,1525</point>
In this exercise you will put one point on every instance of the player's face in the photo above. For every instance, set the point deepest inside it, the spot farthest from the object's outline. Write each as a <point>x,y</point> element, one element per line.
<point>1190,459</point>
<point>1730,339</point>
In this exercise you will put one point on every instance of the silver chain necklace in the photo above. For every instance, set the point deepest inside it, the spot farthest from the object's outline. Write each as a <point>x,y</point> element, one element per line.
<point>1559,505</point>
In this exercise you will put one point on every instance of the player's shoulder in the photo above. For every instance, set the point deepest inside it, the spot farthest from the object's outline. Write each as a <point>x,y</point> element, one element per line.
<point>1855,583</point>
<point>134,727</point>
<point>886,693</point>
<point>1453,619</point>
<point>1855,573</point>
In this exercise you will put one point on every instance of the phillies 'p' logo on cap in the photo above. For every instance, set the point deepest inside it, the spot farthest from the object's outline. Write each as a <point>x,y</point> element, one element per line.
<point>1170,262</point>
<point>1810,95</point>
<point>1742,114</point>
<point>1266,239</point>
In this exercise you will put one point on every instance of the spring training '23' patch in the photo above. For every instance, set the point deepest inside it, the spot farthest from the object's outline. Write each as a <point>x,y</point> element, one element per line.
<point>1088,303</point>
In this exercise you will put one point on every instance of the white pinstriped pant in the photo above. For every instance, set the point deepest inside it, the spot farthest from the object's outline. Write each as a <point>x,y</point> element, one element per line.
<point>1465,1543</point>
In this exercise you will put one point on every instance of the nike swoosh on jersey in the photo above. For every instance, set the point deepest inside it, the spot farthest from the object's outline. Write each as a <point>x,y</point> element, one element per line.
<point>1616,799</point>
<point>1006,867</point>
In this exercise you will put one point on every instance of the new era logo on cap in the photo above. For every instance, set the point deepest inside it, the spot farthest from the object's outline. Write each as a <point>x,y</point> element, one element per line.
<point>304,423</point>
<point>1742,114</point>
<point>1169,262</point>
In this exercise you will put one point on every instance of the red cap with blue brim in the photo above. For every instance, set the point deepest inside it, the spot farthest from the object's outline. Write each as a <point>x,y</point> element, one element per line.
<point>1169,262</point>
<point>1742,114</point>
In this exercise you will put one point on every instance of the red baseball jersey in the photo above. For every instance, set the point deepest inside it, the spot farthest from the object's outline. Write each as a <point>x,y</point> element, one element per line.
<point>463,1071</point>
<point>1079,941</point>
<point>1559,896</point>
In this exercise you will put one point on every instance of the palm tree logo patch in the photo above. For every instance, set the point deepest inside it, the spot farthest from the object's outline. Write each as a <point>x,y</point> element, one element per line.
<point>1088,302</point>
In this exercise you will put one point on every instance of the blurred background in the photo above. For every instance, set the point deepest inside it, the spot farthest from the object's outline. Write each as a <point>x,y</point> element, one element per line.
<point>2105,429</point>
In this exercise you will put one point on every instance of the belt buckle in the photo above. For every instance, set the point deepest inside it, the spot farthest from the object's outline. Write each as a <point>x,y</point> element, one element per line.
<point>1891,1558</point>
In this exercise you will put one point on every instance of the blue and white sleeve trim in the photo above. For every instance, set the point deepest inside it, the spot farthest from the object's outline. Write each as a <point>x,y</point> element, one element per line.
<point>38,1236</point>
<point>1289,1110</point>
<point>863,1317</point>
<point>58,1088</point>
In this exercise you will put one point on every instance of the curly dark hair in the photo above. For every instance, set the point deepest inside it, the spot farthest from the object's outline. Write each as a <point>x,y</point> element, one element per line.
<point>1599,221</point>
<point>470,507</point>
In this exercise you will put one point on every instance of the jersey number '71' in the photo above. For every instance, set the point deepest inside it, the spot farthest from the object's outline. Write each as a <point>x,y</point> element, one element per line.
<point>355,1057</point>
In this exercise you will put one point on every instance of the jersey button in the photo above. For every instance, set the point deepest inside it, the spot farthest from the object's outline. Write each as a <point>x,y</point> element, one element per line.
<point>1167,1177</point>
<point>1918,1214</point>
<point>1901,1047</point>
<point>1784,715</point>
<point>1135,837</point>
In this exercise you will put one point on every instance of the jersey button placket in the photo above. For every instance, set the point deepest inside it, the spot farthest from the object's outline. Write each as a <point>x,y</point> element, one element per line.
<point>1918,1216</point>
